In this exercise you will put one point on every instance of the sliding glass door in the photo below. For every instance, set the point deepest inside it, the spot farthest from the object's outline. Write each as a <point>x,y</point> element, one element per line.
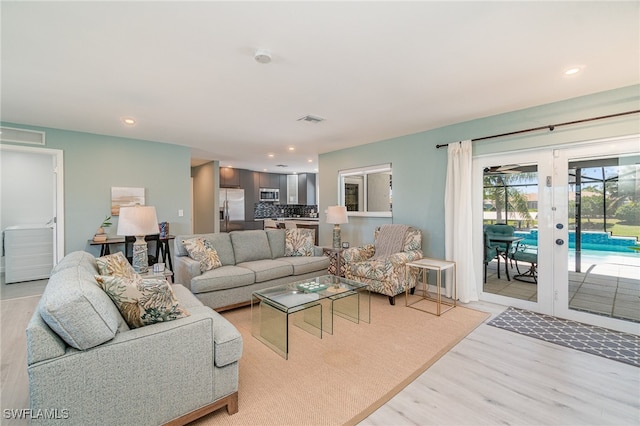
<point>599,201</point>
<point>568,226</point>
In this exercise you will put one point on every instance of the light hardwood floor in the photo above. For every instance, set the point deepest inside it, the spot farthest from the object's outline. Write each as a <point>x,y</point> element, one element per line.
<point>496,376</point>
<point>492,377</point>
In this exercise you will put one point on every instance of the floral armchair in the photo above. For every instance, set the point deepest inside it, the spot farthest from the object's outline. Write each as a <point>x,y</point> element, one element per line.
<point>385,275</point>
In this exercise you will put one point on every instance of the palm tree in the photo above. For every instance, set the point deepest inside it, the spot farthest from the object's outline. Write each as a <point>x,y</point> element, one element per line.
<point>508,200</point>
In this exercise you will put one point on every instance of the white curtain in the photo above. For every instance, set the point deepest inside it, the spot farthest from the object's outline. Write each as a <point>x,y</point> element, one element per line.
<point>458,221</point>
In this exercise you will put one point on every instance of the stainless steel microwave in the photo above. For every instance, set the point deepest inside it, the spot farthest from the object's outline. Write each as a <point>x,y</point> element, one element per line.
<point>269,194</point>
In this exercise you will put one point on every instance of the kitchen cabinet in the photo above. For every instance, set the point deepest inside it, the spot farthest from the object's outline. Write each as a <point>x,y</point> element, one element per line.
<point>307,189</point>
<point>229,177</point>
<point>292,189</point>
<point>269,180</point>
<point>283,189</point>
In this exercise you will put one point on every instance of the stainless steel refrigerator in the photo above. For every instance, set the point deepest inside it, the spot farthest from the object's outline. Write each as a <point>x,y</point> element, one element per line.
<point>231,209</point>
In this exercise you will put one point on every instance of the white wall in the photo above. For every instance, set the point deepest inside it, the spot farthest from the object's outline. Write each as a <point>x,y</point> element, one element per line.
<point>27,188</point>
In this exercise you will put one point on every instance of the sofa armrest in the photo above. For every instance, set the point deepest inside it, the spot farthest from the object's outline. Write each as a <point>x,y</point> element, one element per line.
<point>132,374</point>
<point>185,270</point>
<point>358,254</point>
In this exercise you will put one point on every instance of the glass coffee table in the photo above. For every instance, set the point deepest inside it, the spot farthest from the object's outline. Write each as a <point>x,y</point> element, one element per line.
<point>306,301</point>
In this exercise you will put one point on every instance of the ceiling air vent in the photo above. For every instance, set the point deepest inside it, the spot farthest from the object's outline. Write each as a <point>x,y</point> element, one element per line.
<point>9,134</point>
<point>281,165</point>
<point>311,118</point>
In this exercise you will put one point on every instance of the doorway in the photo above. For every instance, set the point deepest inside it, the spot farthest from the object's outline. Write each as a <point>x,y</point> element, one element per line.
<point>571,213</point>
<point>46,166</point>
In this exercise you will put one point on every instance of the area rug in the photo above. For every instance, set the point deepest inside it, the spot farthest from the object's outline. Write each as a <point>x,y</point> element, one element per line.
<point>344,377</point>
<point>599,341</point>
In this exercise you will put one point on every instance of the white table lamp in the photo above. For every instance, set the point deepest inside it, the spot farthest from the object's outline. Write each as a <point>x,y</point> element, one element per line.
<point>138,221</point>
<point>337,215</point>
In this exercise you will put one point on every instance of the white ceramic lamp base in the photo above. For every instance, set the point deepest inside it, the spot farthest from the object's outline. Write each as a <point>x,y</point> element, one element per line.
<point>140,260</point>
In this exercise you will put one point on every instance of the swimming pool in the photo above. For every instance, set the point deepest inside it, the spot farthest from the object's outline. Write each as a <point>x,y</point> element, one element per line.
<point>595,241</point>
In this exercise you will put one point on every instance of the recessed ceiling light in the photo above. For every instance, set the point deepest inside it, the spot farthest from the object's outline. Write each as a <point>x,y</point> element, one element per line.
<point>572,71</point>
<point>291,148</point>
<point>309,161</point>
<point>271,155</point>
<point>129,121</point>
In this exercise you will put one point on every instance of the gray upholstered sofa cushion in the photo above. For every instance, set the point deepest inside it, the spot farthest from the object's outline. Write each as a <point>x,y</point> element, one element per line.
<point>220,241</point>
<point>276,242</point>
<point>305,264</point>
<point>250,245</point>
<point>222,278</point>
<point>268,269</point>
<point>75,307</point>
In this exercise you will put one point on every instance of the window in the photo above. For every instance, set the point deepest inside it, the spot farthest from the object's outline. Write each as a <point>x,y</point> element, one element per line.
<point>366,191</point>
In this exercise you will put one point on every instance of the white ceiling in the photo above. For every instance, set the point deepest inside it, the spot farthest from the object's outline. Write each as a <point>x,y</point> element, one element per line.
<point>375,70</point>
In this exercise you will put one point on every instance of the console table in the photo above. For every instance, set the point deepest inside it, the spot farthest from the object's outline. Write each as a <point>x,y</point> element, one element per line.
<point>163,246</point>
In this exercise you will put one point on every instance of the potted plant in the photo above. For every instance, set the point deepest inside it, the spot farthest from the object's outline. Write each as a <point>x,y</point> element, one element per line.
<point>105,224</point>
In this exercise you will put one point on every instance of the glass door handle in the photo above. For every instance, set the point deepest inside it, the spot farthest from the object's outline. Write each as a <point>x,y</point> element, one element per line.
<point>559,241</point>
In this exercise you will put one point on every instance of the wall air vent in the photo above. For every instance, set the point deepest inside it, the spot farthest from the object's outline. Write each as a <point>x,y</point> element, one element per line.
<point>10,134</point>
<point>311,118</point>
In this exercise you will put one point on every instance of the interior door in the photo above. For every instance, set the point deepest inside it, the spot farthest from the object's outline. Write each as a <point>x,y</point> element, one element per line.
<point>596,220</point>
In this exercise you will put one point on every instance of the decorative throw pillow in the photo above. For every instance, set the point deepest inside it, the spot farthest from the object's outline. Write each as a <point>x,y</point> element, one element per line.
<point>142,301</point>
<point>298,242</point>
<point>201,250</point>
<point>115,264</point>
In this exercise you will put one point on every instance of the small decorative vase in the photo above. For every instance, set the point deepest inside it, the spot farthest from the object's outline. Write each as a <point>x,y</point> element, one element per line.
<point>100,231</point>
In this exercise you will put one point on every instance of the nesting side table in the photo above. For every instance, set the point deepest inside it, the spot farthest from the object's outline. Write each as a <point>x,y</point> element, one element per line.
<point>440,266</point>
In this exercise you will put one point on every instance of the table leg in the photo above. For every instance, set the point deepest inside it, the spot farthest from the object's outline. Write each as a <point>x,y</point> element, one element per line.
<point>439,284</point>
<point>506,261</point>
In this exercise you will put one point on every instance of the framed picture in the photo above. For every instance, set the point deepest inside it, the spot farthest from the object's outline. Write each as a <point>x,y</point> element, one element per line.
<point>125,197</point>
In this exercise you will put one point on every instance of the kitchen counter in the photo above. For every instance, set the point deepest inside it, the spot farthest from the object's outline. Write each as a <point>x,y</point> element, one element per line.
<point>302,222</point>
<point>297,220</point>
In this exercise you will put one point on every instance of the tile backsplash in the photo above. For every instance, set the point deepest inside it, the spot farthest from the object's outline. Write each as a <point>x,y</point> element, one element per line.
<point>270,210</point>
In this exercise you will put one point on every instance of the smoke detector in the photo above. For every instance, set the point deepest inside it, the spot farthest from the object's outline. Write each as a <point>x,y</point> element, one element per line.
<point>262,56</point>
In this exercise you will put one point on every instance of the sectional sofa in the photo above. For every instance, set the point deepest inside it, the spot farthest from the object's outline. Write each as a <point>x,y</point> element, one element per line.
<point>249,261</point>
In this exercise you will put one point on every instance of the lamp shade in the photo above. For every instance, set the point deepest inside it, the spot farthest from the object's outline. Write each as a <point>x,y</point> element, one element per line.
<point>138,220</point>
<point>337,215</point>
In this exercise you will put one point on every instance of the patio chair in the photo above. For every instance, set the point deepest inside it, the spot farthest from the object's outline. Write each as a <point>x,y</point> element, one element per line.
<point>525,253</point>
<point>502,248</point>
<point>490,253</point>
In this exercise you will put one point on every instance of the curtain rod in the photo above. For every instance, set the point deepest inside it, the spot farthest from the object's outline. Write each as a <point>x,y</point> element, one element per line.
<point>551,127</point>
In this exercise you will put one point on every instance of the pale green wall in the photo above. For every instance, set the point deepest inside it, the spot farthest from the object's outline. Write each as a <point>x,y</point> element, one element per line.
<point>419,169</point>
<point>95,163</point>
